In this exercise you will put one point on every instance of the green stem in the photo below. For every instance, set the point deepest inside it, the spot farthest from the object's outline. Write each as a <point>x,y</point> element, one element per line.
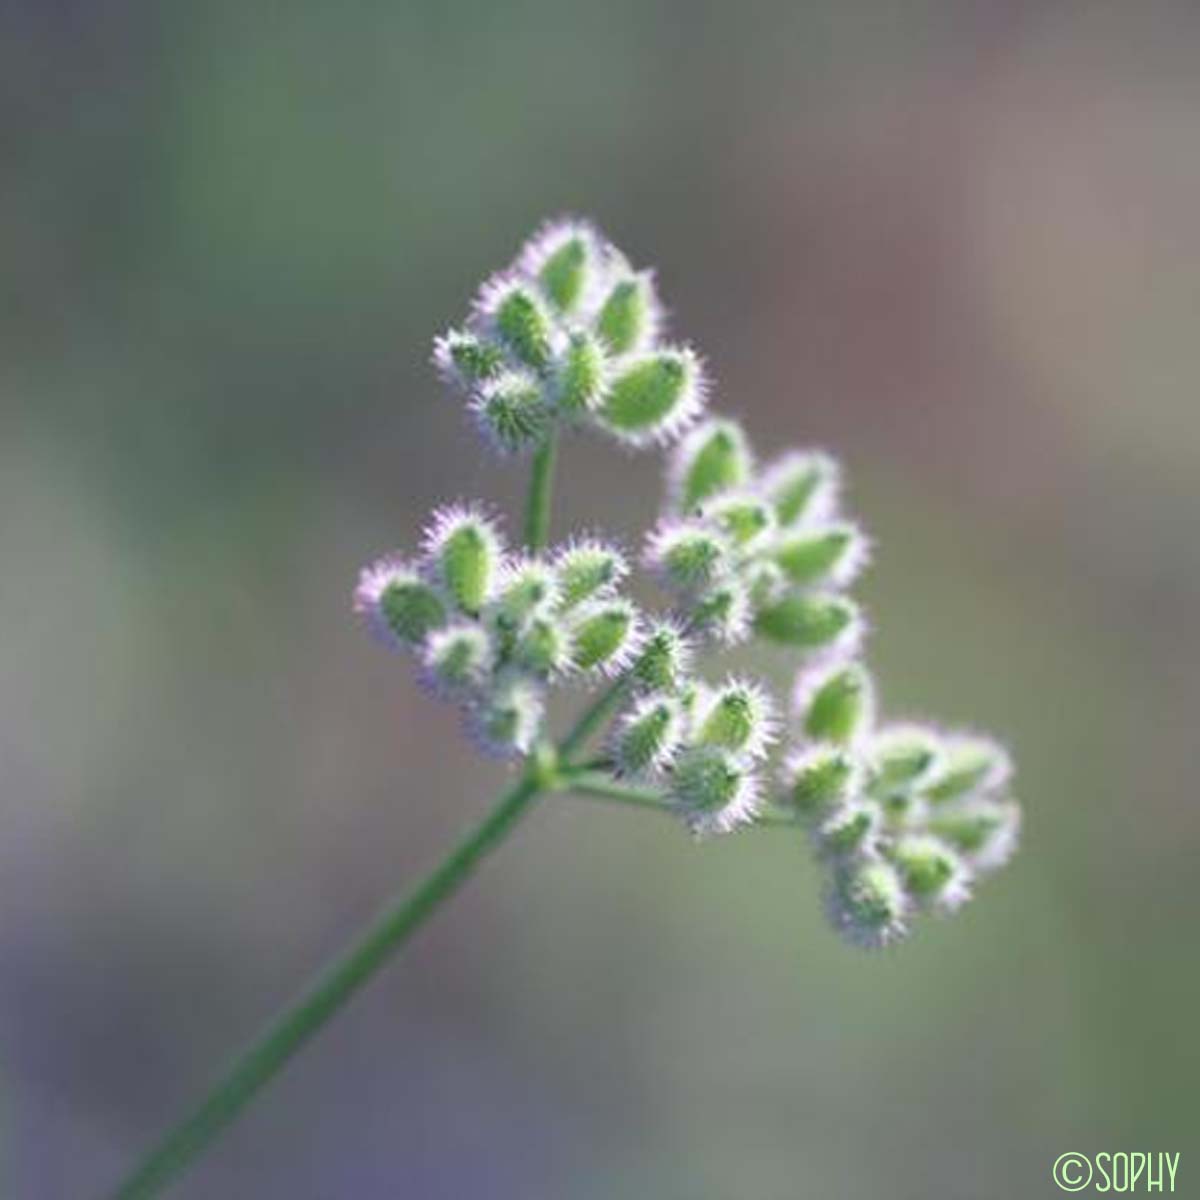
<point>592,718</point>
<point>601,766</point>
<point>541,489</point>
<point>298,1023</point>
<point>338,983</point>
<point>596,785</point>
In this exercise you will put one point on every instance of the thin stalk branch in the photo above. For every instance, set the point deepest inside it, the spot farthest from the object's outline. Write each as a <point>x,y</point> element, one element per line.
<point>601,765</point>
<point>591,720</point>
<point>596,785</point>
<point>538,503</point>
<point>392,929</point>
<point>331,990</point>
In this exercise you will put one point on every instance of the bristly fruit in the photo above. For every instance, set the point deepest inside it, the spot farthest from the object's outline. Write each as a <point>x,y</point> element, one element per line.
<point>713,790</point>
<point>399,605</point>
<point>653,397</point>
<point>648,735</point>
<point>588,569</point>
<point>463,553</point>
<point>577,331</point>
<point>605,635</point>
<point>904,818</point>
<point>714,457</point>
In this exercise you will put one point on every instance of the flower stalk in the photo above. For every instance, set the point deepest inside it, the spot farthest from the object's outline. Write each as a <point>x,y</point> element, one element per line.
<point>593,784</point>
<point>903,818</point>
<point>331,990</point>
<point>541,490</point>
<point>293,1028</point>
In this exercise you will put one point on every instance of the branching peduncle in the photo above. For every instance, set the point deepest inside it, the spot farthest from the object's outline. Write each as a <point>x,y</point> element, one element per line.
<point>593,718</point>
<point>539,505</point>
<point>601,785</point>
<point>297,1024</point>
<point>301,1021</point>
<point>905,816</point>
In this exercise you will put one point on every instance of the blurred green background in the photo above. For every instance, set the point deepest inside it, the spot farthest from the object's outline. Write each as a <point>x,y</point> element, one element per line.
<point>956,243</point>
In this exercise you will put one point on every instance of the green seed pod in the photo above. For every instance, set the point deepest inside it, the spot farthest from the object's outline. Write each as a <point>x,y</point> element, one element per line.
<point>737,716</point>
<point>511,413</point>
<point>901,756</point>
<point>714,457</point>
<point>690,695</point>
<point>811,621</point>
<point>464,553</point>
<point>400,606</point>
<point>582,376</point>
<point>506,723</point>
<point>902,807</point>
<point>653,397</point>
<point>629,317</point>
<point>646,737</point>
<point>713,790</point>
<point>835,706</point>
<point>848,828</point>
<point>456,659</point>
<point>984,832</point>
<point>411,610</point>
<point>722,611</point>
<point>833,554</point>
<point>803,485</point>
<point>867,903</point>
<point>971,765</point>
<point>746,519</point>
<point>819,778</point>
<point>933,874</point>
<point>665,660</point>
<point>464,359</point>
<point>563,259</point>
<point>544,648</point>
<point>521,323</point>
<point>765,582</point>
<point>587,570</point>
<point>685,555</point>
<point>528,588</point>
<point>605,636</point>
